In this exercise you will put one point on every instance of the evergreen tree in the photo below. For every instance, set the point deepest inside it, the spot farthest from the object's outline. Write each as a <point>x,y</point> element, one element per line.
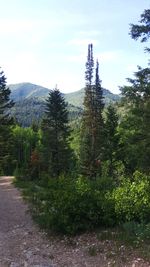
<point>87,120</point>
<point>6,123</point>
<point>56,132</point>
<point>111,137</point>
<point>92,121</point>
<point>142,30</point>
<point>98,129</point>
<point>136,124</point>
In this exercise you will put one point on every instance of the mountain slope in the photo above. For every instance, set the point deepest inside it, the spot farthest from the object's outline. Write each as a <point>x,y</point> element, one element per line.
<point>30,102</point>
<point>32,110</point>
<point>24,91</point>
<point>76,98</point>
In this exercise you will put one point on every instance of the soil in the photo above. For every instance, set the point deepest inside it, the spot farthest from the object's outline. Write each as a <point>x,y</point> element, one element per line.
<point>23,244</point>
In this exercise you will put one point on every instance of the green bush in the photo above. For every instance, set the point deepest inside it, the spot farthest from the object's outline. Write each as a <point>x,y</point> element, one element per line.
<point>132,198</point>
<point>139,230</point>
<point>1,171</point>
<point>72,205</point>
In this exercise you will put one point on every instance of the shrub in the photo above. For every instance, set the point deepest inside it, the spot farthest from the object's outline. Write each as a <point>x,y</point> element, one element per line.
<point>139,230</point>
<point>1,171</point>
<point>132,198</point>
<point>72,205</point>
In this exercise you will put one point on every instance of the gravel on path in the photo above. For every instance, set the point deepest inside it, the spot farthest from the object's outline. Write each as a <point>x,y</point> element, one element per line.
<point>21,242</point>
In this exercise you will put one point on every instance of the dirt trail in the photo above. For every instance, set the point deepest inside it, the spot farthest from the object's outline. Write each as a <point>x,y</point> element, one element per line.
<point>21,243</point>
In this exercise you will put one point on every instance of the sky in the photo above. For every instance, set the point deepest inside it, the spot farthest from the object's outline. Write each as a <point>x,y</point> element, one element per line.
<point>45,41</point>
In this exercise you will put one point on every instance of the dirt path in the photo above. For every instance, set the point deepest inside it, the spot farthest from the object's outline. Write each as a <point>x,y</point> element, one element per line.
<point>22,244</point>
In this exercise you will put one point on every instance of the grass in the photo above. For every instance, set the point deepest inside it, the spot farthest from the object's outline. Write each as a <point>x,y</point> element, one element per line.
<point>127,240</point>
<point>92,250</point>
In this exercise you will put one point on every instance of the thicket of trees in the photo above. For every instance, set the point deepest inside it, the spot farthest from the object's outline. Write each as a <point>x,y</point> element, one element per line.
<point>91,172</point>
<point>6,124</point>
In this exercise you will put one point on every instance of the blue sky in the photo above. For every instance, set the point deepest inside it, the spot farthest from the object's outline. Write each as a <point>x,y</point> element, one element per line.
<point>45,41</point>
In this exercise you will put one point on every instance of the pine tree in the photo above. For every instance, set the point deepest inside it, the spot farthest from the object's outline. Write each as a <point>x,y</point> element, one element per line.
<point>6,123</point>
<point>142,30</point>
<point>56,132</point>
<point>85,148</point>
<point>137,142</point>
<point>92,122</point>
<point>135,126</point>
<point>111,137</point>
<point>98,118</point>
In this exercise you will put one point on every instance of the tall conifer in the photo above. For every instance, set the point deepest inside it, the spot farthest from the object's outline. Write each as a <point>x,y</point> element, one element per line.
<point>98,127</point>
<point>92,122</point>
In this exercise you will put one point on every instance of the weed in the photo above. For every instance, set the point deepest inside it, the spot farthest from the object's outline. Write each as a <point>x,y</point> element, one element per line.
<point>92,251</point>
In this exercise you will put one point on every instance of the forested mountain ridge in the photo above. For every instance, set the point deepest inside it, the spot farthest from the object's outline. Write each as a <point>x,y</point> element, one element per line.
<point>30,102</point>
<point>32,110</point>
<point>76,98</point>
<point>22,91</point>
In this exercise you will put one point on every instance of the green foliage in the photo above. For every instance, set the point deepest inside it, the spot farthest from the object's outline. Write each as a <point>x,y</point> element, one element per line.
<point>132,198</point>
<point>110,152</point>
<point>30,102</point>
<point>92,129</point>
<point>32,110</point>
<point>25,142</point>
<point>118,171</point>
<point>6,123</point>
<point>138,231</point>
<point>22,91</point>
<point>111,138</point>
<point>71,205</point>
<point>1,171</point>
<point>135,126</point>
<point>75,136</point>
<point>29,91</point>
<point>28,111</point>
<point>56,132</point>
<point>142,30</point>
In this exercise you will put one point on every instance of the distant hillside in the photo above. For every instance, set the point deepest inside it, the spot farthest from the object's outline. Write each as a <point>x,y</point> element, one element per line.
<point>32,110</point>
<point>76,98</point>
<point>30,102</point>
<point>22,91</point>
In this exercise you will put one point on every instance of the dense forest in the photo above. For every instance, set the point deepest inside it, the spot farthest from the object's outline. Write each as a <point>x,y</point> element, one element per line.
<point>86,167</point>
